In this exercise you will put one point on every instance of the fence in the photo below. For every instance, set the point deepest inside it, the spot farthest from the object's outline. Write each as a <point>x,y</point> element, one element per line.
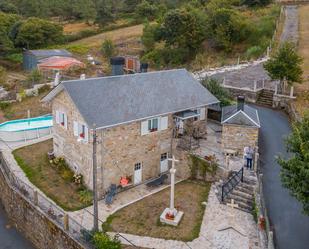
<point>232,183</point>
<point>51,210</point>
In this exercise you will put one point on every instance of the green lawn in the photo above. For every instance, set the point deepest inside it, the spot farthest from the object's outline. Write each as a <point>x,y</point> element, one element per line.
<point>34,162</point>
<point>142,217</point>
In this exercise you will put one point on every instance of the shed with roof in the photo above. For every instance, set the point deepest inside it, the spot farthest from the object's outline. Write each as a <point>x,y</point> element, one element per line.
<point>31,58</point>
<point>240,126</point>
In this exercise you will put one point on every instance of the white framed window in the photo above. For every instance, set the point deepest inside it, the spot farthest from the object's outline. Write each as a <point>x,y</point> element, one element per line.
<point>137,166</point>
<point>62,119</point>
<point>80,131</point>
<point>154,124</point>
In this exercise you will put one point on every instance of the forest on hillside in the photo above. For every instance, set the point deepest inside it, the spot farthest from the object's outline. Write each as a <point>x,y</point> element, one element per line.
<point>175,31</point>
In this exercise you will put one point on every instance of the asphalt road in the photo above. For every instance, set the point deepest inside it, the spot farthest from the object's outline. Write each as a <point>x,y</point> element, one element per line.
<point>9,237</point>
<point>290,225</point>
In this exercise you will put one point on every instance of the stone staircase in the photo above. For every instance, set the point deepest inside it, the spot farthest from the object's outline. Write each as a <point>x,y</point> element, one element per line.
<point>266,98</point>
<point>243,195</point>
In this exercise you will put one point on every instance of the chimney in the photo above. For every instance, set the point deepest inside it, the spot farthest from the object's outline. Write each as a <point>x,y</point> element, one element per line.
<point>240,103</point>
<point>144,67</point>
<point>117,64</point>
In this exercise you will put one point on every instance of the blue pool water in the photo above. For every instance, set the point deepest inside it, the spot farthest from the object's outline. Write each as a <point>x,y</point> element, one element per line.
<point>27,124</point>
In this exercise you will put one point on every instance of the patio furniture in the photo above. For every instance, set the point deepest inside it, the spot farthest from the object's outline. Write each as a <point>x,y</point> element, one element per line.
<point>157,182</point>
<point>111,194</point>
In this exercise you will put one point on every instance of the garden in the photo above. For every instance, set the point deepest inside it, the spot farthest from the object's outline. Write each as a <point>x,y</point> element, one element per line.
<point>53,176</point>
<point>143,217</point>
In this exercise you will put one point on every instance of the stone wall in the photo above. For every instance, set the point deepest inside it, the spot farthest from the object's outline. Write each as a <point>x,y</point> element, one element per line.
<point>237,137</point>
<point>31,222</point>
<point>250,96</point>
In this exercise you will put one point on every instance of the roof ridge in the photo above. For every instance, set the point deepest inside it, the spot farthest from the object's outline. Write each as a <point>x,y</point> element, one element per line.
<point>127,75</point>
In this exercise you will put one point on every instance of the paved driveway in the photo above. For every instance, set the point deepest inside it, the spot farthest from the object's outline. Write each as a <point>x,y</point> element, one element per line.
<point>291,226</point>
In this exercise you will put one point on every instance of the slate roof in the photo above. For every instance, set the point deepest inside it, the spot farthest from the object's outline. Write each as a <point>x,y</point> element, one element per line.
<point>45,53</point>
<point>249,116</point>
<point>115,100</point>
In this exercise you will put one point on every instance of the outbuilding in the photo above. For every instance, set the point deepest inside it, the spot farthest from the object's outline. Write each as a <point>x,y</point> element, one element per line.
<point>31,58</point>
<point>240,126</point>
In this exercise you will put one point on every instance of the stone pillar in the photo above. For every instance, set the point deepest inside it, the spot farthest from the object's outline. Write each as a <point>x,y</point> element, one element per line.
<point>66,222</point>
<point>292,92</point>
<point>36,198</point>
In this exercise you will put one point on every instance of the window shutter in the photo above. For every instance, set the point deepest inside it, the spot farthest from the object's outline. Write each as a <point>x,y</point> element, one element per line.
<point>164,123</point>
<point>75,129</point>
<point>202,113</point>
<point>144,127</point>
<point>57,117</point>
<point>65,121</point>
<point>86,134</point>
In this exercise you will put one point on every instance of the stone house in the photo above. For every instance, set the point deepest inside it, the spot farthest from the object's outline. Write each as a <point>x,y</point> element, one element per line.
<point>137,118</point>
<point>240,126</point>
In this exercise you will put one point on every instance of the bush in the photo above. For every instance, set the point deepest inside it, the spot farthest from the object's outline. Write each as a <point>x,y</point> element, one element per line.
<point>254,52</point>
<point>35,77</point>
<point>216,89</point>
<point>103,241</point>
<point>77,49</point>
<point>108,48</point>
<point>85,196</point>
<point>17,57</point>
<point>3,75</point>
<point>4,105</point>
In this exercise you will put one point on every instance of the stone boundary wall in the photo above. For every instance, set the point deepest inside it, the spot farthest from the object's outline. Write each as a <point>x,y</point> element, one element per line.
<point>38,228</point>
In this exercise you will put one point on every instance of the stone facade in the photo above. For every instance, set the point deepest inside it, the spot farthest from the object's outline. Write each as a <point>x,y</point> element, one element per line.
<point>119,148</point>
<point>31,222</point>
<point>236,137</point>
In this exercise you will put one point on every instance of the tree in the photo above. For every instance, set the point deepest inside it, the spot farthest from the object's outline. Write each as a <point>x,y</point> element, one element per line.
<point>226,27</point>
<point>8,7</point>
<point>146,10</point>
<point>217,90</point>
<point>3,75</point>
<point>295,171</point>
<point>285,65</point>
<point>184,28</point>
<point>37,33</point>
<point>105,12</point>
<point>130,5</point>
<point>256,2</point>
<point>108,48</point>
<point>7,21</point>
<point>150,36</point>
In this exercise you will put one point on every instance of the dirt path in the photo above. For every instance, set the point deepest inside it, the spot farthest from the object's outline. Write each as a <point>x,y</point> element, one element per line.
<point>122,35</point>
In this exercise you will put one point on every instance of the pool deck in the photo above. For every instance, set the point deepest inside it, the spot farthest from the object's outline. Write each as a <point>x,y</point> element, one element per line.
<point>10,146</point>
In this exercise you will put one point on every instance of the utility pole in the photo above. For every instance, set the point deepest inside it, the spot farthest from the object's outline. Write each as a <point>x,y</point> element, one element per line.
<point>94,173</point>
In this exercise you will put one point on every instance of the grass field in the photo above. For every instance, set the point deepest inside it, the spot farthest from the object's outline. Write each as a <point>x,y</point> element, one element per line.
<point>34,162</point>
<point>302,90</point>
<point>71,28</point>
<point>122,35</point>
<point>142,218</point>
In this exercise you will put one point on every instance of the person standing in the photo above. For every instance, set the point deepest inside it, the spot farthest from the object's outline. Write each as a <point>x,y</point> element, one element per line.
<point>249,156</point>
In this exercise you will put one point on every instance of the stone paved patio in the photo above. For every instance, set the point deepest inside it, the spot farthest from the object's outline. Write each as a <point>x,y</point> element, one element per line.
<point>240,234</point>
<point>121,200</point>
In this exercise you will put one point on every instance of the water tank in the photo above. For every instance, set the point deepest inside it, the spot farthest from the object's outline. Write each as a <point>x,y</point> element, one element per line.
<point>144,67</point>
<point>117,64</point>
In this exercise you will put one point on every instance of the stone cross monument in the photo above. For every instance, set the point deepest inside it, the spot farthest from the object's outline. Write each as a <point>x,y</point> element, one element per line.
<point>171,215</point>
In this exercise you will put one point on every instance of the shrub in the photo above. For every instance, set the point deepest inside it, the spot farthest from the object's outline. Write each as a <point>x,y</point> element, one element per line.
<point>216,89</point>
<point>254,52</point>
<point>17,57</point>
<point>4,105</point>
<point>108,48</point>
<point>85,196</point>
<point>3,75</point>
<point>35,77</point>
<point>103,241</point>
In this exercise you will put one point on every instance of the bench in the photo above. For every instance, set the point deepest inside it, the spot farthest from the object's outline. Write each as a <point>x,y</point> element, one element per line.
<point>157,182</point>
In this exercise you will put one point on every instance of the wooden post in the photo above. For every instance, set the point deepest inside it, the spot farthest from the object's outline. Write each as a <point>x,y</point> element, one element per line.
<point>254,86</point>
<point>276,89</point>
<point>66,222</point>
<point>36,198</point>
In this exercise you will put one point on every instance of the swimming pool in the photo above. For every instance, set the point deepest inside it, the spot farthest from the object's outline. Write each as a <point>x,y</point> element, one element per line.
<point>26,129</point>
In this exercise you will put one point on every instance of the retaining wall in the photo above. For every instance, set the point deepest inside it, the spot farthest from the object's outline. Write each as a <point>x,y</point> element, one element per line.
<point>31,222</point>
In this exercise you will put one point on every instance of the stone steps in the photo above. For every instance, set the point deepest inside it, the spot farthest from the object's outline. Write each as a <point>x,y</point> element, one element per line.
<point>266,98</point>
